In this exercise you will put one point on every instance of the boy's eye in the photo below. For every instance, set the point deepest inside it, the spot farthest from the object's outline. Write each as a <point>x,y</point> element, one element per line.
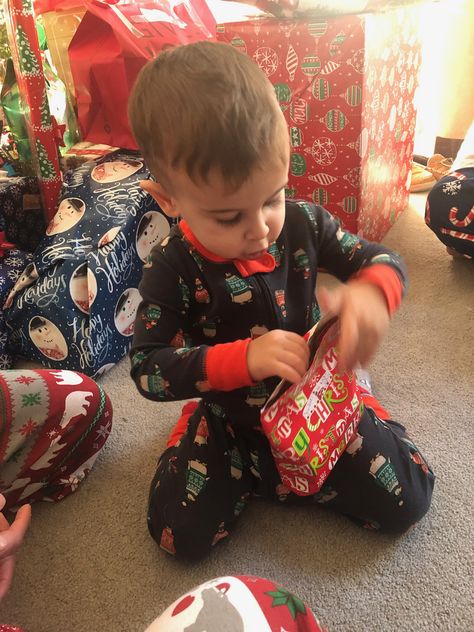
<point>229,222</point>
<point>274,202</point>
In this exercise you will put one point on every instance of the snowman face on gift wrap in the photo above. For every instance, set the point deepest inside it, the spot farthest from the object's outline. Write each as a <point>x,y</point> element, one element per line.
<point>126,311</point>
<point>153,228</point>
<point>109,236</point>
<point>115,171</point>
<point>83,287</point>
<point>69,213</point>
<point>47,338</point>
<point>26,278</point>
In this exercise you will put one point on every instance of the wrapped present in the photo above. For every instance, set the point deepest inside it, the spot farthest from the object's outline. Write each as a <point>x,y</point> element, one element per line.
<point>110,46</point>
<point>327,8</point>
<point>83,152</point>
<point>61,20</point>
<point>75,309</point>
<point>12,264</point>
<point>236,603</point>
<point>28,66</point>
<point>22,212</point>
<point>346,87</point>
<point>309,424</point>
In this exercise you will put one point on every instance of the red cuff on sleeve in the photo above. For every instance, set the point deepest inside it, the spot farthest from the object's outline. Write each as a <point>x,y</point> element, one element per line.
<point>385,278</point>
<point>226,366</point>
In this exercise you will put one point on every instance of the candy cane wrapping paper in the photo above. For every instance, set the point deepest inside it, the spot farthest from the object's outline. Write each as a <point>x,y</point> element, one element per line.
<point>310,423</point>
<point>26,56</point>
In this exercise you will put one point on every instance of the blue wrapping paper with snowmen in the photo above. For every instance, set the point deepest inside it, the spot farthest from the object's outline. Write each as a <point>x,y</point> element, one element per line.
<point>12,263</point>
<point>75,305</point>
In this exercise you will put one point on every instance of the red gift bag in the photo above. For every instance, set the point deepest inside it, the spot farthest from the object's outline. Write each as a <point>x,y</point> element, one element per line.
<point>309,424</point>
<point>110,46</point>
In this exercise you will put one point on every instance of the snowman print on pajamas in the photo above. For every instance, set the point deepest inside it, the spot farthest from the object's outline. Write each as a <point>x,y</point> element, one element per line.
<point>152,229</point>
<point>126,310</point>
<point>114,171</point>
<point>69,213</point>
<point>48,338</point>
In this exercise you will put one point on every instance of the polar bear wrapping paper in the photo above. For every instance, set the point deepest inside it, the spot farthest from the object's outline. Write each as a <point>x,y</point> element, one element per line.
<point>309,424</point>
<point>75,309</point>
<point>240,603</point>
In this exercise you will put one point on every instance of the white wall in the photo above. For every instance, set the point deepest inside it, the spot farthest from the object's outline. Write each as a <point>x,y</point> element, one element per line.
<point>445,98</point>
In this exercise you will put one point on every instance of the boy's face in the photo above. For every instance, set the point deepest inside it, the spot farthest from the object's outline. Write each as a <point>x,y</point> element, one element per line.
<point>234,225</point>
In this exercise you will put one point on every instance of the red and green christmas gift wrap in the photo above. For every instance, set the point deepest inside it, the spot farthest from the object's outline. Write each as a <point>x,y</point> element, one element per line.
<point>29,72</point>
<point>238,603</point>
<point>309,424</point>
<point>346,87</point>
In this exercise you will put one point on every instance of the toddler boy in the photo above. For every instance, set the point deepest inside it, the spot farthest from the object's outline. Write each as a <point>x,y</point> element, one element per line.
<point>229,295</point>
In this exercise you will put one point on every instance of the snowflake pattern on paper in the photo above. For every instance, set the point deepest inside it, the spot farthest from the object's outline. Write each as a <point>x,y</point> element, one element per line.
<point>31,399</point>
<point>13,261</point>
<point>451,188</point>
<point>5,362</point>
<point>28,428</point>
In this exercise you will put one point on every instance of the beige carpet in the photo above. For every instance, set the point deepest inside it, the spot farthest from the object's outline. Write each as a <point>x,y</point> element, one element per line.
<point>88,564</point>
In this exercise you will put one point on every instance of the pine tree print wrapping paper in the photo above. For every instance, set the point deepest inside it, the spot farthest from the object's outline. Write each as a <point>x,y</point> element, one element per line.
<point>74,307</point>
<point>26,57</point>
<point>346,86</point>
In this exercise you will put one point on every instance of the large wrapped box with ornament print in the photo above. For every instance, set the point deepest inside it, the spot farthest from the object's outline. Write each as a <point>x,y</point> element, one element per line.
<point>346,86</point>
<point>76,307</point>
<point>22,212</point>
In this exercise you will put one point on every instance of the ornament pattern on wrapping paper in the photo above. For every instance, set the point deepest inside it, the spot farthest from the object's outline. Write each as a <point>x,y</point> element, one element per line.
<point>291,63</point>
<point>267,60</point>
<point>324,151</point>
<point>347,88</point>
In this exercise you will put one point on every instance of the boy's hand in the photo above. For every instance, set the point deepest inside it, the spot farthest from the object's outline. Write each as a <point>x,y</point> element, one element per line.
<point>11,537</point>
<point>363,320</point>
<point>278,352</point>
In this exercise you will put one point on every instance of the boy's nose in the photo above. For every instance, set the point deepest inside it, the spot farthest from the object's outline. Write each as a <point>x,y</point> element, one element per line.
<point>258,229</point>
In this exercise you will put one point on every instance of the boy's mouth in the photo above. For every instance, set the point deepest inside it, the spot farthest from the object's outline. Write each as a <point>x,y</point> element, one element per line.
<point>256,255</point>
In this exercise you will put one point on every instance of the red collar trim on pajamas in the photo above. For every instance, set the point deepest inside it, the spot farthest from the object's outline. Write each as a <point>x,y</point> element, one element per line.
<point>246,267</point>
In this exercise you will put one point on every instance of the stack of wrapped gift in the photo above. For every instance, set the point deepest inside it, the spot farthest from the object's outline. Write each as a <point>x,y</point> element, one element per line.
<point>21,211</point>
<point>346,84</point>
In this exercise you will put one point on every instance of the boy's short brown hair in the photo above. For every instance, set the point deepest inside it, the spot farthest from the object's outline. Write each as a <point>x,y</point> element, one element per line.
<point>204,106</point>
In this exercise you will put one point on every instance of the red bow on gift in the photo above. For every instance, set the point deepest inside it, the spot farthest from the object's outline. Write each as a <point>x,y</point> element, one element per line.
<point>58,131</point>
<point>5,246</point>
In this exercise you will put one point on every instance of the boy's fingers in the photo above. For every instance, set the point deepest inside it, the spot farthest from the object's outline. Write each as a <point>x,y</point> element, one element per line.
<point>330,301</point>
<point>348,341</point>
<point>2,501</point>
<point>298,349</point>
<point>22,520</point>
<point>6,575</point>
<point>286,372</point>
<point>296,362</point>
<point>11,539</point>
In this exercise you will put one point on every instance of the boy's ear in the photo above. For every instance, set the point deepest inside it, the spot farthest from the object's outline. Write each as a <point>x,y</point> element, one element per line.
<point>159,193</point>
